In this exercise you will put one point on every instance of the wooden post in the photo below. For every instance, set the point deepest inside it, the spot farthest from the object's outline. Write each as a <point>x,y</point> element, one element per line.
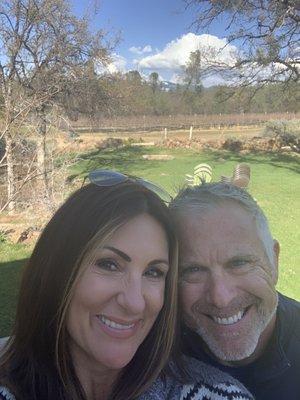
<point>191,133</point>
<point>166,133</point>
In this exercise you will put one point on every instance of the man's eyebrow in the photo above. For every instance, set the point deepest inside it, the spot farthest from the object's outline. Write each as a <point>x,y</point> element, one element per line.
<point>119,252</point>
<point>246,257</point>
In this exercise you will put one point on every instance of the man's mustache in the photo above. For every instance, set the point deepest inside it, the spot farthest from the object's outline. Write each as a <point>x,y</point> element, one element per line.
<point>237,304</point>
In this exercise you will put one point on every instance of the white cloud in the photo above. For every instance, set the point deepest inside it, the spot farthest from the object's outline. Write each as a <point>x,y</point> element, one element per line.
<point>176,78</point>
<point>141,50</point>
<point>176,53</point>
<point>118,64</point>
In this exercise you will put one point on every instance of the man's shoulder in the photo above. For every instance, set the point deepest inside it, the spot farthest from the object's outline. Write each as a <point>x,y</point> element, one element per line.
<point>288,302</point>
<point>289,314</point>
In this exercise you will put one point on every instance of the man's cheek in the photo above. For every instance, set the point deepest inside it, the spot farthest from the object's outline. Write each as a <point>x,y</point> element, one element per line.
<point>189,295</point>
<point>259,282</point>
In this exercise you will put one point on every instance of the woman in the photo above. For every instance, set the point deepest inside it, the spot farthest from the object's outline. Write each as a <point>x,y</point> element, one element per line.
<point>97,307</point>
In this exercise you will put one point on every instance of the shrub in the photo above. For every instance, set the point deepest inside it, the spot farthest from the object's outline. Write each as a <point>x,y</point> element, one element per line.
<point>285,133</point>
<point>233,145</point>
<point>282,127</point>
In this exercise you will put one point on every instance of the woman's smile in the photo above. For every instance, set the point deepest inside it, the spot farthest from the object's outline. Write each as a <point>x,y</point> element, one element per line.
<point>119,330</point>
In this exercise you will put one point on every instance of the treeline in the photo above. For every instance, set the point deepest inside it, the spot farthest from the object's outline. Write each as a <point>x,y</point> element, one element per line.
<point>129,94</point>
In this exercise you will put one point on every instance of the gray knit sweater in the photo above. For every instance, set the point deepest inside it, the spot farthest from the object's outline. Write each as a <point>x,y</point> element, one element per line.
<point>204,382</point>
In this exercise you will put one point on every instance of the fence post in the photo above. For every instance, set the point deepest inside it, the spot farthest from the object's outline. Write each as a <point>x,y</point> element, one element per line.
<point>191,133</point>
<point>166,133</point>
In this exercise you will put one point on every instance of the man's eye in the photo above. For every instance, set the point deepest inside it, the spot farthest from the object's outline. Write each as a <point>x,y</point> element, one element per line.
<point>192,269</point>
<point>107,265</point>
<point>239,263</point>
<point>192,273</point>
<point>155,272</point>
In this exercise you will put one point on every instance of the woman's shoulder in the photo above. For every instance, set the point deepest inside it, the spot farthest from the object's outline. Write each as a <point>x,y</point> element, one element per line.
<point>216,391</point>
<point>5,394</point>
<point>198,382</point>
<point>3,342</point>
<point>202,381</point>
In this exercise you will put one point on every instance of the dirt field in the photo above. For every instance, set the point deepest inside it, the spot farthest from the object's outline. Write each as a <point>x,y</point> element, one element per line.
<point>88,140</point>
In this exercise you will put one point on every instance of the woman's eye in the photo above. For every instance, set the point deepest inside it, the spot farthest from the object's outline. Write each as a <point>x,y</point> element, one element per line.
<point>155,272</point>
<point>107,265</point>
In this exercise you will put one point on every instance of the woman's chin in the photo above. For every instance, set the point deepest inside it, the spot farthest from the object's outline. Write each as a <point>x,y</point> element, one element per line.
<point>116,361</point>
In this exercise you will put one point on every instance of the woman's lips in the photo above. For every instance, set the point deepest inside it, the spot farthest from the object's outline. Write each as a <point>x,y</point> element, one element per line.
<point>118,328</point>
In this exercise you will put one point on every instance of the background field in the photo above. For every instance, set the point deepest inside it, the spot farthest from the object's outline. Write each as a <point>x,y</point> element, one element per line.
<point>275,183</point>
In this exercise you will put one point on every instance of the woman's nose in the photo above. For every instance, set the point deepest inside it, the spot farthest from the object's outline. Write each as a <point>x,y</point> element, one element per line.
<point>131,297</point>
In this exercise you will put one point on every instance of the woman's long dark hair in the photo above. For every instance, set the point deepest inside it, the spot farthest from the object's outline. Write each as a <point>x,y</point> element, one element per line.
<point>36,363</point>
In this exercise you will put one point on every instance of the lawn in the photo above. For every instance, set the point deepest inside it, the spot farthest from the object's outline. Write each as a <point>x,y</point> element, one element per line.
<point>275,183</point>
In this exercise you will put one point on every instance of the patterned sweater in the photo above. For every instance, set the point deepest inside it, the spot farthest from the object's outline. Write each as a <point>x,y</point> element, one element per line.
<point>203,382</point>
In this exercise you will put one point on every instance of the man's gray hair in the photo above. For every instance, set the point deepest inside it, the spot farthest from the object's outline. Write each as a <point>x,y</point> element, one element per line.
<point>209,196</point>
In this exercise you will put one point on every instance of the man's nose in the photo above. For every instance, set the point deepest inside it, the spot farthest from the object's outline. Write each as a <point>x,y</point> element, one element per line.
<point>221,290</point>
<point>131,297</point>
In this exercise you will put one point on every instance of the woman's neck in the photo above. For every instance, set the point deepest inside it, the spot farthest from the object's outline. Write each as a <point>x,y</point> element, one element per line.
<point>96,380</point>
<point>97,385</point>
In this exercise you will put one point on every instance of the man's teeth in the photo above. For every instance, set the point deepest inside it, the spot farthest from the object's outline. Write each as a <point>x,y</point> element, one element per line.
<point>230,320</point>
<point>113,324</point>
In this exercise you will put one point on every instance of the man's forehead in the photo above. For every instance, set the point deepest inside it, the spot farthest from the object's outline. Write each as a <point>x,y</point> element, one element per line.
<point>231,231</point>
<point>228,214</point>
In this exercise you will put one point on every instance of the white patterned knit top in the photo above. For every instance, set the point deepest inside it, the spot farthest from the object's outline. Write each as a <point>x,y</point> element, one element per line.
<point>205,383</point>
<point>5,394</point>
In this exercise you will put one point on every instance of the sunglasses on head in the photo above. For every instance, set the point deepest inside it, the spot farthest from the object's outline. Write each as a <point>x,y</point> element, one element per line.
<point>105,177</point>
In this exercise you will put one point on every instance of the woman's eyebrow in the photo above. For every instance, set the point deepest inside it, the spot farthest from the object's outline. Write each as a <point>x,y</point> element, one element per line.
<point>160,261</point>
<point>119,252</point>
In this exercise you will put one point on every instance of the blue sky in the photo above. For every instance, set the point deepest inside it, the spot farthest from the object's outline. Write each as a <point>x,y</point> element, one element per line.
<point>156,35</point>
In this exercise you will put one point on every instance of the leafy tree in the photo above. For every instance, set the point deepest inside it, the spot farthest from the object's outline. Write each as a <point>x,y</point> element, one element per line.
<point>154,81</point>
<point>193,71</point>
<point>133,76</point>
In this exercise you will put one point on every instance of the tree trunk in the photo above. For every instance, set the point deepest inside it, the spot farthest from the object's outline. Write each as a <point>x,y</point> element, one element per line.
<point>11,185</point>
<point>10,173</point>
<point>41,156</point>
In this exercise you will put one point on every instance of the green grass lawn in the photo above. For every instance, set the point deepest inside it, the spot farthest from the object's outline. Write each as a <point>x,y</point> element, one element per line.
<point>275,183</point>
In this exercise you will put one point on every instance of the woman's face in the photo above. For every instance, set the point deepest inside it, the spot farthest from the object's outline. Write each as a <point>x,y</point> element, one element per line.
<point>119,296</point>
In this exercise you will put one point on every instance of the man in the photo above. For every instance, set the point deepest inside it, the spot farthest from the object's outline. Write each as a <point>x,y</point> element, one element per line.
<point>233,317</point>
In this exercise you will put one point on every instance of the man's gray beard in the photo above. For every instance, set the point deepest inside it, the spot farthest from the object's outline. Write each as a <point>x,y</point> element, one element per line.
<point>251,340</point>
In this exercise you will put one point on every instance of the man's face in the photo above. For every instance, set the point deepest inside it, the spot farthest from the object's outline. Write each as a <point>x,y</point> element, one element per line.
<point>227,285</point>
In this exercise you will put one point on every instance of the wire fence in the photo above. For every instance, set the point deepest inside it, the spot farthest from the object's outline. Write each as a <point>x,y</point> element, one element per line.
<point>174,122</point>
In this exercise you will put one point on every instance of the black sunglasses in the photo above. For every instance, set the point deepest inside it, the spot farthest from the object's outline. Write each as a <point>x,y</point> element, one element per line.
<point>106,177</point>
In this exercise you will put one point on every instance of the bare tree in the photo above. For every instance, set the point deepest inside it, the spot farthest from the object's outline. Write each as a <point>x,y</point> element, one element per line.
<point>265,32</point>
<point>43,47</point>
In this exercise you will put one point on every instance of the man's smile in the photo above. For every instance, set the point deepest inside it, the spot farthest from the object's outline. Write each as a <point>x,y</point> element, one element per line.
<point>227,320</point>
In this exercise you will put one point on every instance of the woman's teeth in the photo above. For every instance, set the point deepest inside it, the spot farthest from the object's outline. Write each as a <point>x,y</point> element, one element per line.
<point>113,324</point>
<point>230,320</point>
